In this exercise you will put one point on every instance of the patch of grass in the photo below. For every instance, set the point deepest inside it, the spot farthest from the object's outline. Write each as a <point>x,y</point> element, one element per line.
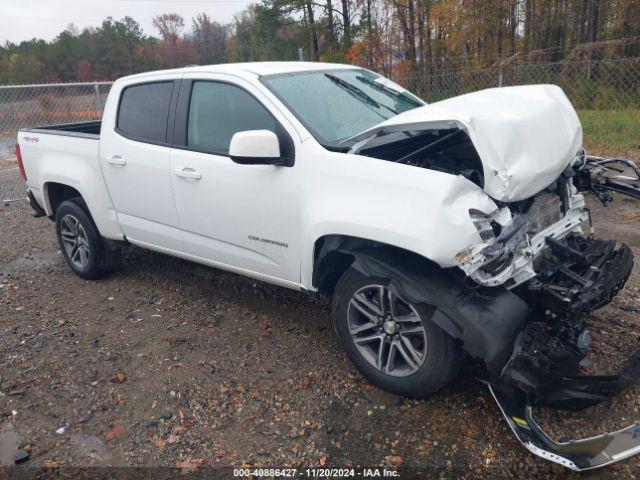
<point>612,132</point>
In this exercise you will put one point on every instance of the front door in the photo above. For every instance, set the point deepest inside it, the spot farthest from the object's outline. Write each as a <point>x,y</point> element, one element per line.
<point>240,217</point>
<point>135,157</point>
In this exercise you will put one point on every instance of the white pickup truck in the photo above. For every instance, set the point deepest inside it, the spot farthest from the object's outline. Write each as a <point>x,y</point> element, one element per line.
<point>441,231</point>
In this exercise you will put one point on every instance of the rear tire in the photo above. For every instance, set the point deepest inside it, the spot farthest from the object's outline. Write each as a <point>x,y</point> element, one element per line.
<point>396,347</point>
<point>85,251</point>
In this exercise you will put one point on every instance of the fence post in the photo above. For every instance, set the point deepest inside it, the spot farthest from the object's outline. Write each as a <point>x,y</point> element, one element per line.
<point>500,75</point>
<point>96,87</point>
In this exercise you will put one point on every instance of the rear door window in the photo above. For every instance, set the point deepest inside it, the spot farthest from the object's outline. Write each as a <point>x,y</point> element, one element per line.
<point>144,110</point>
<point>219,110</point>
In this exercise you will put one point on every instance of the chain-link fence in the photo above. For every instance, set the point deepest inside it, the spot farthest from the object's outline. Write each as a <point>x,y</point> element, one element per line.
<point>594,85</point>
<point>606,94</point>
<point>24,106</point>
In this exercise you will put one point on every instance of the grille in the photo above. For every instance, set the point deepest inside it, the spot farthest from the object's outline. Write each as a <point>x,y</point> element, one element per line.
<point>545,210</point>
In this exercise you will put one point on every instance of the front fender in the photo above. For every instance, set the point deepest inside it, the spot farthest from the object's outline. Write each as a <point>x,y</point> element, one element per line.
<point>422,211</point>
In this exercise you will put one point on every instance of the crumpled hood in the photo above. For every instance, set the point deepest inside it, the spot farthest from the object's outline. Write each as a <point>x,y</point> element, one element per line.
<point>525,136</point>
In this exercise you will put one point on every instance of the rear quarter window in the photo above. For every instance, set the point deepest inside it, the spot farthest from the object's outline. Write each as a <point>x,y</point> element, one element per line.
<point>144,110</point>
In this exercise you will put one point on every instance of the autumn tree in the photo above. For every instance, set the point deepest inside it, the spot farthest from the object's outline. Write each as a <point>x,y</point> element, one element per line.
<point>169,25</point>
<point>210,38</point>
<point>404,39</point>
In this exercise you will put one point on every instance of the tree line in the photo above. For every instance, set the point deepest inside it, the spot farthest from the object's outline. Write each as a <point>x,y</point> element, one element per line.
<point>403,39</point>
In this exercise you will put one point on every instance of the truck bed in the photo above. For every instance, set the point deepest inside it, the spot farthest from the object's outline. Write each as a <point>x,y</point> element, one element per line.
<point>90,129</point>
<point>54,153</point>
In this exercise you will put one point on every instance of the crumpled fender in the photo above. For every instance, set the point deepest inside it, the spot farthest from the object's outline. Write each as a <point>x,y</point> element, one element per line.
<point>486,320</point>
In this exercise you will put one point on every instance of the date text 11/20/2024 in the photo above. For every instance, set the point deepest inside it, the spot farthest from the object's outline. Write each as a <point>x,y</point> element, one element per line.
<point>316,472</point>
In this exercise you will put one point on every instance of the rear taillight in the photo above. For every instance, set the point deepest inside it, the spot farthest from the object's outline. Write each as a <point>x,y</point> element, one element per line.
<point>20,164</point>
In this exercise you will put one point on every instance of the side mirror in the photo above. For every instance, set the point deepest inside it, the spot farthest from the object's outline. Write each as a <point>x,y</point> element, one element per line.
<point>256,147</point>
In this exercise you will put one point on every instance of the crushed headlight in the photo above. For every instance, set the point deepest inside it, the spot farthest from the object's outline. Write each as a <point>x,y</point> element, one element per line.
<point>502,251</point>
<point>487,227</point>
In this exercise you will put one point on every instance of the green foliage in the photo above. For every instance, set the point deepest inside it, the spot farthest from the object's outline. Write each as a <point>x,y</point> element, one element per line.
<point>24,67</point>
<point>264,32</point>
<point>612,132</point>
<point>116,48</point>
<point>437,47</point>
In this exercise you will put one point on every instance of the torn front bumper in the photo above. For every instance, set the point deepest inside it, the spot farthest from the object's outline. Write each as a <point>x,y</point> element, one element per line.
<point>545,368</point>
<point>531,340</point>
<point>584,454</point>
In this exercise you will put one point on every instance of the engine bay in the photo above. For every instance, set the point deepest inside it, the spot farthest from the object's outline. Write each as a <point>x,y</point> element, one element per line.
<point>448,150</point>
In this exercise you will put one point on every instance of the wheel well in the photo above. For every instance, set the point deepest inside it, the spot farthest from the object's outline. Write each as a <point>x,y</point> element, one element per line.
<point>333,254</point>
<point>58,193</point>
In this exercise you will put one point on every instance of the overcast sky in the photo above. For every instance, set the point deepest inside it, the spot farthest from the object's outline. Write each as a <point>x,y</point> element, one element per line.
<point>25,19</point>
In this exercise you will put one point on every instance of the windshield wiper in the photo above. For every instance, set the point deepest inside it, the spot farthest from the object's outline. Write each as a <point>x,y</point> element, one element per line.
<point>357,92</point>
<point>388,90</point>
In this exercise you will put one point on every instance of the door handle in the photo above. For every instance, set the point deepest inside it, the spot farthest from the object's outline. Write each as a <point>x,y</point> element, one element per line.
<point>188,173</point>
<point>116,160</point>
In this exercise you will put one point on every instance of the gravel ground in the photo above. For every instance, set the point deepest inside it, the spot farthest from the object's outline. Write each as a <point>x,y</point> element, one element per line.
<point>167,363</point>
<point>11,183</point>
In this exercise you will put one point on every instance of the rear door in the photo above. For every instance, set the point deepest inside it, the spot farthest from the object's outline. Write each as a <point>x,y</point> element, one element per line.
<point>240,217</point>
<point>135,157</point>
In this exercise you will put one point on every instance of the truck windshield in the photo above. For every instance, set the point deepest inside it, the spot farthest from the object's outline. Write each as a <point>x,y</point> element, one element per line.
<point>337,104</point>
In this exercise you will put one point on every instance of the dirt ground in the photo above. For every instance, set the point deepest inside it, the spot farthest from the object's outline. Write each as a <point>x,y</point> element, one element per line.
<point>167,363</point>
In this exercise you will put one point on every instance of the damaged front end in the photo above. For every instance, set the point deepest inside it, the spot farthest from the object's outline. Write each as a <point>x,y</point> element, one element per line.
<point>532,336</point>
<point>525,284</point>
<point>578,455</point>
<point>545,257</point>
<point>578,276</point>
<point>537,272</point>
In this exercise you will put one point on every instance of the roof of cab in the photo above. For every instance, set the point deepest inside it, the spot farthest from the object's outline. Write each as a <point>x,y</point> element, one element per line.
<point>255,68</point>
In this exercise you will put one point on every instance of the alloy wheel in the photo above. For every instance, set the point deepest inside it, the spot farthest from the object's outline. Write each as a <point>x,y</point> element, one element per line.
<point>387,331</point>
<point>74,241</point>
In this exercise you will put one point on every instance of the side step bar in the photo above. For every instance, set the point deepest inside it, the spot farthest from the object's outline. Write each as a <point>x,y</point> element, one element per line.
<point>578,455</point>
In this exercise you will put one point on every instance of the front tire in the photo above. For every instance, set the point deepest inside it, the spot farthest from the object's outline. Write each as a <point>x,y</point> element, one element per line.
<point>391,341</point>
<point>82,246</point>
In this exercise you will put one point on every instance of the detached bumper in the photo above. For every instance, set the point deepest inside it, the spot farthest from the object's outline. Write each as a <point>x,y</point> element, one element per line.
<point>582,275</point>
<point>577,455</point>
<point>545,368</point>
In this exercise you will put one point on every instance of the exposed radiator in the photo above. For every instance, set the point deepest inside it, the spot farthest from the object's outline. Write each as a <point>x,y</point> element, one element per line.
<point>545,210</point>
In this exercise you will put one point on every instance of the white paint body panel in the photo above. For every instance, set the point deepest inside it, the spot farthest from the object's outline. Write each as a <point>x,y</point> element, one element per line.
<point>255,143</point>
<point>245,216</point>
<point>525,136</point>
<point>74,162</point>
<point>264,221</point>
<point>234,211</point>
<point>141,188</point>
